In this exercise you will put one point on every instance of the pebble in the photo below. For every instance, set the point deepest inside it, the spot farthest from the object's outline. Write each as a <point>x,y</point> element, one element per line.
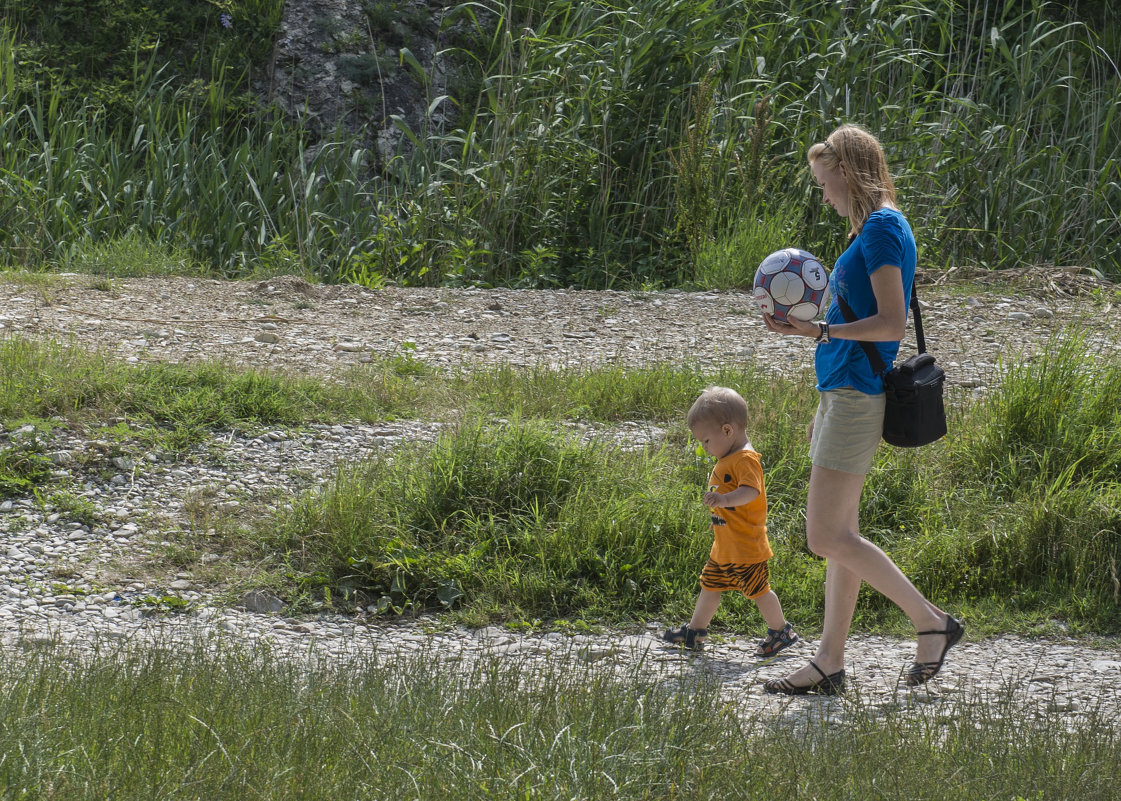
<point>262,602</point>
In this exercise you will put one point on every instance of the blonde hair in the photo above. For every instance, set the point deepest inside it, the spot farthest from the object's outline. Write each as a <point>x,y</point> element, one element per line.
<point>860,157</point>
<point>718,405</point>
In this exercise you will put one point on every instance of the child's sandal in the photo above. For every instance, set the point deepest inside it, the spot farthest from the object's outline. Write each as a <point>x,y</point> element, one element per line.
<point>693,639</point>
<point>777,640</point>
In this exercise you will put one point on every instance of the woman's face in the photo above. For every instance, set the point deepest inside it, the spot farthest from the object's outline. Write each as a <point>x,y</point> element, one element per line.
<point>834,187</point>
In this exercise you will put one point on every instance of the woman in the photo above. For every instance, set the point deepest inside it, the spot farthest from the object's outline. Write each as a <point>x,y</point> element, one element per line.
<point>874,276</point>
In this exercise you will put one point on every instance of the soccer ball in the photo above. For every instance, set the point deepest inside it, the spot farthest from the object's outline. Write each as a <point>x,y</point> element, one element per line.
<point>791,283</point>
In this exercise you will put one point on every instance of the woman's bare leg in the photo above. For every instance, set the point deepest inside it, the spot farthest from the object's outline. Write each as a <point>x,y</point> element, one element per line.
<point>832,531</point>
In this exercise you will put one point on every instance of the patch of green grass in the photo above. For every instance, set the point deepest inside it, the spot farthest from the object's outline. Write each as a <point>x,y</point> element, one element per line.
<point>127,256</point>
<point>226,723</point>
<point>22,469</point>
<point>511,517</point>
<point>72,507</point>
<point>177,406</point>
<point>613,393</point>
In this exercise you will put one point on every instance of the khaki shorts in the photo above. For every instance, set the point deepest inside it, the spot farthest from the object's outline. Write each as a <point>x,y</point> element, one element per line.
<point>847,430</point>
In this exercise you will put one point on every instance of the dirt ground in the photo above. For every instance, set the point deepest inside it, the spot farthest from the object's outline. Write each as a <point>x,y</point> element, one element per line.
<point>972,324</point>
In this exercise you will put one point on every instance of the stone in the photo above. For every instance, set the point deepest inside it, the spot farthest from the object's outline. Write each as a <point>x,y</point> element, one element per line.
<point>262,601</point>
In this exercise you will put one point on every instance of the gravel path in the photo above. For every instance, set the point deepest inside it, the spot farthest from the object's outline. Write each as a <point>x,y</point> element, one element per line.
<point>63,581</point>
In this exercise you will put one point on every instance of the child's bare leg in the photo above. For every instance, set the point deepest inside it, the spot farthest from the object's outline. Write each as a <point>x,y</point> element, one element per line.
<point>771,610</point>
<point>707,603</point>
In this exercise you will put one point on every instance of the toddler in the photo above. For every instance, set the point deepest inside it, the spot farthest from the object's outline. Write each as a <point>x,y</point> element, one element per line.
<point>738,503</point>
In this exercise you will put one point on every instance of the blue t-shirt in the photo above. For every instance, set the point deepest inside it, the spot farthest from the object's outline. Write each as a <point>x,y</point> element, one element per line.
<point>885,239</point>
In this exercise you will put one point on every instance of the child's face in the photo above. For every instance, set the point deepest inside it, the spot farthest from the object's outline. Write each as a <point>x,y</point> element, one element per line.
<point>717,440</point>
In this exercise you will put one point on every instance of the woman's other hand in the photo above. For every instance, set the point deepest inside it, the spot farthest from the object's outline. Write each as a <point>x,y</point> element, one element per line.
<point>792,326</point>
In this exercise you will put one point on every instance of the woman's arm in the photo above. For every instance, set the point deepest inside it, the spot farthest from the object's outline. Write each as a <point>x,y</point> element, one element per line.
<point>888,324</point>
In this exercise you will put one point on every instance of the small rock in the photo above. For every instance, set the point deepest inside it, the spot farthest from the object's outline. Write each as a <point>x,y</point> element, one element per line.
<point>267,337</point>
<point>262,601</point>
<point>37,638</point>
<point>594,653</point>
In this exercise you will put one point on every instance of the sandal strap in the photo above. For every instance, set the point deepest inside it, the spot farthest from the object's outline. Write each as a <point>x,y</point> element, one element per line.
<point>952,626</point>
<point>827,685</point>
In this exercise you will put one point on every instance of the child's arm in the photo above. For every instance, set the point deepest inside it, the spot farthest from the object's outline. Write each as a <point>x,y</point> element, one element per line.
<point>740,496</point>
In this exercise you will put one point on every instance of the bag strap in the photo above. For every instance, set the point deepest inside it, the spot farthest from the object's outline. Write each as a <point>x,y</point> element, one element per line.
<point>873,355</point>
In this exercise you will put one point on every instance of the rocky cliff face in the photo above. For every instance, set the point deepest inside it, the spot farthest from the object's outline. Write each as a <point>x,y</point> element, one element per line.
<point>352,65</point>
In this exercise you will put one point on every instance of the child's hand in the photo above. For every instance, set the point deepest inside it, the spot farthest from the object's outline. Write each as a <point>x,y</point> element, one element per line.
<point>713,499</point>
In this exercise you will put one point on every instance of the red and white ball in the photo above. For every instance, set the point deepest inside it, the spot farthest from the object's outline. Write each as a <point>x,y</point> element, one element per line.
<point>792,283</point>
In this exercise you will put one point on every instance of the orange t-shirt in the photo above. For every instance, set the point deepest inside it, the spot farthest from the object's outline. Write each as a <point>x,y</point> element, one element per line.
<point>740,533</point>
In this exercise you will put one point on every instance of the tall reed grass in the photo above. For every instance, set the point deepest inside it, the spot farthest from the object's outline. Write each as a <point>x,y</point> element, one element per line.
<point>609,144</point>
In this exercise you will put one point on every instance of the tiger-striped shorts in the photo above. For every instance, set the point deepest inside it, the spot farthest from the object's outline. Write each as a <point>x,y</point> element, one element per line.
<point>751,580</point>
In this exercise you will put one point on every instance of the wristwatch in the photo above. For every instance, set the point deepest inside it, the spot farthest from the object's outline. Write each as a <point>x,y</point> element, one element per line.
<point>823,337</point>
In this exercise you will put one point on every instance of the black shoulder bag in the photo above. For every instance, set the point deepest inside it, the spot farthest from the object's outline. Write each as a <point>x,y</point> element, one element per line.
<point>914,414</point>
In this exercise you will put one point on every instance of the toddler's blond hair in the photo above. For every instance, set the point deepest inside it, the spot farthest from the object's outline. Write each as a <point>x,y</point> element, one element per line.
<point>718,405</point>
